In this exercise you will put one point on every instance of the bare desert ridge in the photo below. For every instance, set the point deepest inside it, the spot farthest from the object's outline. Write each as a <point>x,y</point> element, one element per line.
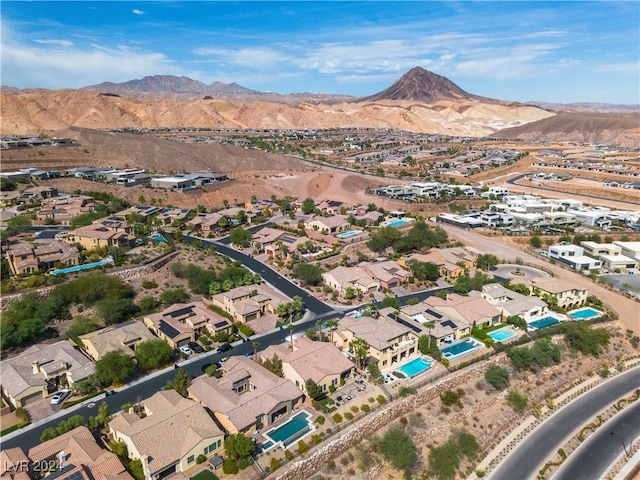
<point>420,101</point>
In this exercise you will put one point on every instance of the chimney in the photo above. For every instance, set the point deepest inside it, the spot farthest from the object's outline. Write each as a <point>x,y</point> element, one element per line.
<point>36,367</point>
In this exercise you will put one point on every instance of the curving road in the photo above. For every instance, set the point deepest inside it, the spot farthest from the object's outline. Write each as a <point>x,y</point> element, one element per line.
<point>526,460</point>
<point>592,460</point>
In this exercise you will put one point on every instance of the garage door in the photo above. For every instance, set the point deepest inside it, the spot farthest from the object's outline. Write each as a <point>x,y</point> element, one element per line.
<point>184,343</point>
<point>33,398</point>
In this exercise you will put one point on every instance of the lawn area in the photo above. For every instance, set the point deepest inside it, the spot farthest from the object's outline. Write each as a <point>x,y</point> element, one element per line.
<point>205,475</point>
<point>326,404</point>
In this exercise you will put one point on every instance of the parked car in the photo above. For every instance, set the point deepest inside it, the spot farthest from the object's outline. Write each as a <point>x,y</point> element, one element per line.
<point>225,348</point>
<point>186,350</point>
<point>195,346</point>
<point>59,397</point>
<point>223,359</point>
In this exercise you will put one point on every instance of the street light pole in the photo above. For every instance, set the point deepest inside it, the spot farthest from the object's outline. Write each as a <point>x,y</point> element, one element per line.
<point>623,444</point>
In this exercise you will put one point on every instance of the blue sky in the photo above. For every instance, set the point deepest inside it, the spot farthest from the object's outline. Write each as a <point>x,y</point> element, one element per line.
<point>547,51</point>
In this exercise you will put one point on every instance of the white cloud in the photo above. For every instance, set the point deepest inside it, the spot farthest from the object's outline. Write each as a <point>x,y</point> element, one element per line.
<point>259,58</point>
<point>137,12</point>
<point>74,67</point>
<point>631,67</point>
<point>53,41</point>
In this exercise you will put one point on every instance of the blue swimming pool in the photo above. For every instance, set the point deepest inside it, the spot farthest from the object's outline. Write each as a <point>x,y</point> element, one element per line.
<point>502,334</point>
<point>459,349</point>
<point>399,222</point>
<point>415,366</point>
<point>158,238</point>
<point>585,313</point>
<point>78,268</point>
<point>292,430</point>
<point>350,233</point>
<point>543,322</point>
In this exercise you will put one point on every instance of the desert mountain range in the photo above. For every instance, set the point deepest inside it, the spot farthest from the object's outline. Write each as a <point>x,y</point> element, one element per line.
<point>420,101</point>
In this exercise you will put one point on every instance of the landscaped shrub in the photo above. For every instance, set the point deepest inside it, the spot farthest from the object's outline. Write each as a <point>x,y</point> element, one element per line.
<point>365,408</point>
<point>320,420</point>
<point>275,463</point>
<point>201,459</point>
<point>288,454</point>
<point>348,415</point>
<point>302,447</point>
<point>517,400</point>
<point>337,418</point>
<point>381,399</point>
<point>497,376</point>
<point>229,467</point>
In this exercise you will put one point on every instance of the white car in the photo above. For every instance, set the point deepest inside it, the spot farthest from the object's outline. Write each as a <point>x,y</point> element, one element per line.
<point>186,350</point>
<point>60,396</point>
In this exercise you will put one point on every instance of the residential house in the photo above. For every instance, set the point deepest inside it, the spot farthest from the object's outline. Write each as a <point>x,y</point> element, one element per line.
<point>573,256</point>
<point>170,436</point>
<point>320,362</point>
<point>39,193</point>
<point>79,457</point>
<point>433,323</point>
<point>328,225</point>
<point>167,216</point>
<point>350,279</point>
<point>247,397</point>
<point>389,273</point>
<point>512,303</point>
<point>182,323</point>
<point>473,310</point>
<point>27,258</point>
<point>566,296</point>
<point>124,337</point>
<point>329,206</point>
<point>255,305</point>
<point>207,223</point>
<point>107,232</point>
<point>63,209</point>
<point>389,341</point>
<point>456,255</point>
<point>42,370</point>
<point>445,268</point>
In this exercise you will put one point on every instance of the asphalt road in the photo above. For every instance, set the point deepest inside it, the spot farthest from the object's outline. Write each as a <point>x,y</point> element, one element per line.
<point>526,460</point>
<point>593,458</point>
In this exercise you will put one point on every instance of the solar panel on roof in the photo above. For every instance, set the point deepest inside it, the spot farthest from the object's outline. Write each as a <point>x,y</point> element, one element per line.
<point>413,327</point>
<point>180,312</point>
<point>221,324</point>
<point>168,330</point>
<point>433,313</point>
<point>449,323</point>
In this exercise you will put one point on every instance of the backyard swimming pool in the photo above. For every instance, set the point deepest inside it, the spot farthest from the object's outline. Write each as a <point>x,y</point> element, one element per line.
<point>158,238</point>
<point>350,233</point>
<point>461,348</point>
<point>585,313</point>
<point>502,334</point>
<point>415,366</point>
<point>290,431</point>
<point>543,322</point>
<point>399,222</point>
<point>78,268</point>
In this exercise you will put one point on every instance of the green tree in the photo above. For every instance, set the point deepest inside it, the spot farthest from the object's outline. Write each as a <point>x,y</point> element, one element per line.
<point>274,365</point>
<point>535,241</point>
<point>114,368</point>
<point>308,274</point>
<point>391,302</point>
<point>444,461</point>
<point>497,376</point>
<point>487,261</point>
<point>582,337</point>
<point>116,310</point>
<point>181,382</point>
<point>398,448</point>
<point>424,270</point>
<point>241,237</point>
<point>238,447</point>
<point>360,349</point>
<point>308,205</point>
<point>175,295</point>
<point>153,353</point>
<point>313,389</point>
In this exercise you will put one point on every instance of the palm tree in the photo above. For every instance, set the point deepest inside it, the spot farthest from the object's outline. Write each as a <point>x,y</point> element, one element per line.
<point>331,324</point>
<point>255,346</point>
<point>319,325</point>
<point>291,328</point>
